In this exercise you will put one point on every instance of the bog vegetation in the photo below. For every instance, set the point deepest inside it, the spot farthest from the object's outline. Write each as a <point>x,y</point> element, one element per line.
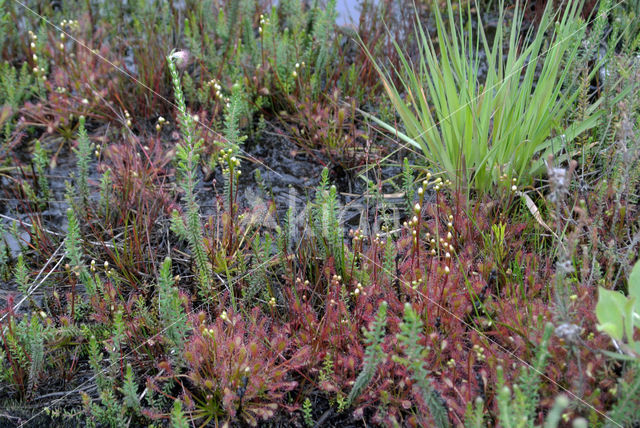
<point>243,213</point>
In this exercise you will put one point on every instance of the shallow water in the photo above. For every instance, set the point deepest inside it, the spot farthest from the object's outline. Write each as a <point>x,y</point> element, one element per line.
<point>348,11</point>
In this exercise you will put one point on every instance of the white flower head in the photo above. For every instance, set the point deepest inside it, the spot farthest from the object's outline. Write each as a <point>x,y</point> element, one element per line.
<point>181,58</point>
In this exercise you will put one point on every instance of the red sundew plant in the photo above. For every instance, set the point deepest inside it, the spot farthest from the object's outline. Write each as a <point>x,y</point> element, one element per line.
<point>143,333</point>
<point>80,83</point>
<point>230,233</point>
<point>239,366</point>
<point>136,198</point>
<point>330,332</point>
<point>333,335</point>
<point>515,303</point>
<point>39,237</point>
<point>54,117</point>
<point>575,364</point>
<point>478,313</point>
<point>609,234</point>
<point>331,126</point>
<point>139,171</point>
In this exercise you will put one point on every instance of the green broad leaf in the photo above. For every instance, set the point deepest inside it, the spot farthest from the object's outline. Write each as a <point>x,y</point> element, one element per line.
<point>628,319</point>
<point>610,312</point>
<point>634,283</point>
<point>634,293</point>
<point>570,134</point>
<point>612,329</point>
<point>621,357</point>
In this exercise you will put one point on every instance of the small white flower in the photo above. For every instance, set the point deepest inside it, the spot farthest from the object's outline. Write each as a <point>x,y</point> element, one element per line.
<point>181,58</point>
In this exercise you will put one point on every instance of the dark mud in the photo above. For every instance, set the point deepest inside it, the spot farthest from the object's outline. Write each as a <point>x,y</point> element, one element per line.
<point>289,176</point>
